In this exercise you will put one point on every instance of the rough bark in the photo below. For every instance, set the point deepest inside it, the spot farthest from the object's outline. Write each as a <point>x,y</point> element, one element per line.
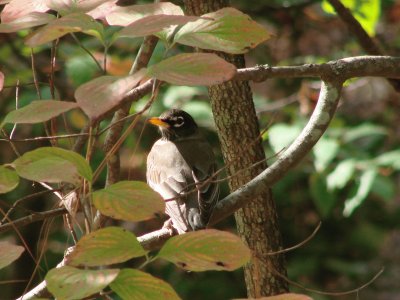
<point>238,131</point>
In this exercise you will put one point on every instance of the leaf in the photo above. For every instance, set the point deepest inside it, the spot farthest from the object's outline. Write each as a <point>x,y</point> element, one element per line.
<point>125,15</point>
<point>17,9</point>
<point>193,69</point>
<point>38,111</point>
<point>8,180</point>
<point>25,22</point>
<point>228,30</point>
<point>153,24</point>
<point>365,130</point>
<point>135,284</point>
<point>286,296</point>
<point>324,199</point>
<point>367,12</point>
<point>72,6</point>
<point>52,164</point>
<point>384,187</point>
<point>77,22</point>
<point>71,283</point>
<point>9,253</point>
<point>324,152</point>
<point>129,200</point>
<point>389,159</point>
<point>204,250</point>
<point>339,177</point>
<point>366,181</point>
<point>282,135</point>
<point>106,246</point>
<point>99,95</point>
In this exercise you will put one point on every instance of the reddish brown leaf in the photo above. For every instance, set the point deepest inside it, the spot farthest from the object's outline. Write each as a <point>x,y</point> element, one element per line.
<point>1,80</point>
<point>123,16</point>
<point>153,24</point>
<point>193,69</point>
<point>27,21</point>
<point>71,6</point>
<point>101,94</point>
<point>19,8</point>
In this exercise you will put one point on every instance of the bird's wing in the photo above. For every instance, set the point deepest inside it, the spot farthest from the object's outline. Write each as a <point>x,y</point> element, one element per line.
<point>163,177</point>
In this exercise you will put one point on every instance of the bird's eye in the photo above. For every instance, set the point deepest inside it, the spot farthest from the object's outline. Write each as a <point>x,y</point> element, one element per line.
<point>179,122</point>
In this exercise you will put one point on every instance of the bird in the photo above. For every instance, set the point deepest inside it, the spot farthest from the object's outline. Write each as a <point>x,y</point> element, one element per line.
<point>181,167</point>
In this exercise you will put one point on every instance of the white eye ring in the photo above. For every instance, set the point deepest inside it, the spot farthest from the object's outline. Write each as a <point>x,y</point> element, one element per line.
<point>179,122</point>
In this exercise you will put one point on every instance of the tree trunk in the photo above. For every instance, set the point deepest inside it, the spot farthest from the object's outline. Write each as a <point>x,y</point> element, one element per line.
<point>238,131</point>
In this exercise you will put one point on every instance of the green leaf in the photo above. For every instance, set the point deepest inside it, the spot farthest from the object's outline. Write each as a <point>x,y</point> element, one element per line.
<point>135,284</point>
<point>129,200</point>
<point>341,175</point>
<point>8,180</point>
<point>106,246</point>
<point>282,135</point>
<point>324,152</point>
<point>99,95</point>
<point>193,69</point>
<point>70,283</point>
<point>366,12</point>
<point>38,111</point>
<point>77,22</point>
<point>365,130</point>
<point>323,198</point>
<point>227,30</point>
<point>9,253</point>
<point>25,22</point>
<point>389,159</point>
<point>125,15</point>
<point>367,179</point>
<point>204,250</point>
<point>384,187</point>
<point>152,24</point>
<point>52,164</point>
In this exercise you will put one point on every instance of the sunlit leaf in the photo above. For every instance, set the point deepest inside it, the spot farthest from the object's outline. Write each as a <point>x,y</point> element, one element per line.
<point>71,6</point>
<point>19,8</point>
<point>70,283</point>
<point>129,200</point>
<point>106,246</point>
<point>282,135</point>
<point>367,12</point>
<point>9,253</point>
<point>227,30</point>
<point>193,69</point>
<point>135,284</point>
<point>125,15</point>
<point>341,175</point>
<point>153,24</point>
<point>8,179</point>
<point>204,250</point>
<point>366,181</point>
<point>27,21</point>
<point>77,22</point>
<point>389,159</point>
<point>365,130</point>
<point>99,95</point>
<point>52,164</point>
<point>38,111</point>
<point>324,152</point>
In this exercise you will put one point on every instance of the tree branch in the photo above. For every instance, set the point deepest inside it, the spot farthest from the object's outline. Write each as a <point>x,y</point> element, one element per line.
<point>333,75</point>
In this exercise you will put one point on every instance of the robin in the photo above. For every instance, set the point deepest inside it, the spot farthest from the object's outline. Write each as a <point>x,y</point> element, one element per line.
<point>181,168</point>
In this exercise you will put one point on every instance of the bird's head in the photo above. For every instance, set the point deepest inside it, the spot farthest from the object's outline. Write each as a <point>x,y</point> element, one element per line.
<point>174,124</point>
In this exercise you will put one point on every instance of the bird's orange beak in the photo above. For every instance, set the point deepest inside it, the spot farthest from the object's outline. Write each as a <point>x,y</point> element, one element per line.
<point>158,122</point>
